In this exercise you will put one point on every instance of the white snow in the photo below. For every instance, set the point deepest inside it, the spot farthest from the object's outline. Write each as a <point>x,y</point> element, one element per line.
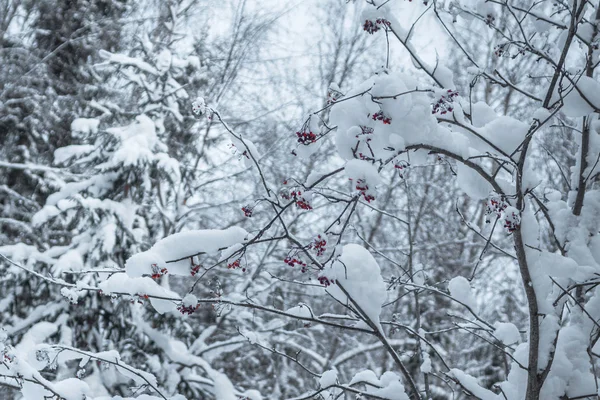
<point>178,352</point>
<point>388,386</point>
<point>138,143</point>
<point>426,366</point>
<point>445,76</point>
<point>328,378</point>
<point>199,106</point>
<point>507,333</point>
<point>481,114</point>
<point>360,276</point>
<point>189,300</point>
<point>72,389</point>
<point>471,384</point>
<point>183,245</point>
<point>505,133</point>
<point>140,286</point>
<point>393,391</point>
<point>470,182</point>
<point>163,61</point>
<point>366,376</point>
<point>301,311</point>
<point>64,154</point>
<point>86,126</point>
<point>359,169</point>
<point>460,289</point>
<point>583,98</point>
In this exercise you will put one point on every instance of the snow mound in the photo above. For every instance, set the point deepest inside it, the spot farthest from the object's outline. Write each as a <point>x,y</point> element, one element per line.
<point>182,246</point>
<point>357,273</point>
<point>460,289</point>
<point>507,333</point>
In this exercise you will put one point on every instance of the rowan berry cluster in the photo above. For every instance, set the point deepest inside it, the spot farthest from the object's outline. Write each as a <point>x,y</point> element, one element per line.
<point>236,264</point>
<point>501,50</point>
<point>247,211</point>
<point>319,245</point>
<point>333,95</point>
<point>7,357</point>
<point>512,221</point>
<point>199,108</point>
<point>495,205</point>
<point>293,261</point>
<point>306,138</point>
<point>187,309</point>
<point>196,108</point>
<point>380,116</point>
<point>303,204</point>
<point>364,157</point>
<point>296,195</point>
<point>401,166</point>
<point>363,188</point>
<point>195,269</point>
<point>371,27</point>
<point>445,103</point>
<point>323,280</point>
<point>157,272</point>
<point>140,299</point>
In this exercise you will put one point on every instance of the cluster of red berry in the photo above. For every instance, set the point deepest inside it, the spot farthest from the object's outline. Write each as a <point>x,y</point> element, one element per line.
<point>444,104</point>
<point>323,280</point>
<point>319,245</point>
<point>500,50</point>
<point>157,272</point>
<point>362,187</point>
<point>187,309</point>
<point>7,357</point>
<point>364,157</point>
<point>140,299</point>
<point>333,96</point>
<point>195,269</point>
<point>380,116</point>
<point>306,138</point>
<point>372,27</point>
<point>301,202</point>
<point>247,211</point>
<point>512,221</point>
<point>293,261</point>
<point>236,264</point>
<point>500,207</point>
<point>495,205</point>
<point>401,166</point>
